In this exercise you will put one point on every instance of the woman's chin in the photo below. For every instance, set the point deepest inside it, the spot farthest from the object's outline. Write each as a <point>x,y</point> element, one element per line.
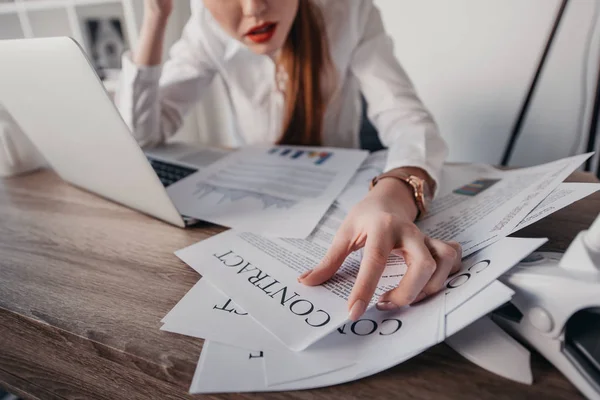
<point>269,48</point>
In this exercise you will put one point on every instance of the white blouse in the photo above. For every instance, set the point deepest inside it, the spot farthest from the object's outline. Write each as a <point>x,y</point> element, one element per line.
<point>154,100</point>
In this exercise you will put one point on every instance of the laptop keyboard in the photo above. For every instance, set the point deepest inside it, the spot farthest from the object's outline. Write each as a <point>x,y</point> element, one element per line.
<point>170,173</point>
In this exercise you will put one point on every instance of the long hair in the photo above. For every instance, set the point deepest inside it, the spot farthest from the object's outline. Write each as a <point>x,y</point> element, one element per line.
<point>306,60</point>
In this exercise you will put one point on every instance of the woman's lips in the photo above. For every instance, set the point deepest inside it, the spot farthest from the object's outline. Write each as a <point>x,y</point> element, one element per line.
<point>262,33</point>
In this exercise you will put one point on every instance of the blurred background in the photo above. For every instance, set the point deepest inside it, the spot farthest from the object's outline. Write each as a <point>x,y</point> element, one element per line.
<point>472,62</point>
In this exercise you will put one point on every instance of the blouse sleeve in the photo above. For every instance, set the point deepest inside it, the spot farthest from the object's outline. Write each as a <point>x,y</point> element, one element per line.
<point>404,125</point>
<point>153,100</point>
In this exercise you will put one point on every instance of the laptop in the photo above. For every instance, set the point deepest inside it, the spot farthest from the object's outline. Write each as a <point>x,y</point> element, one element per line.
<point>51,90</point>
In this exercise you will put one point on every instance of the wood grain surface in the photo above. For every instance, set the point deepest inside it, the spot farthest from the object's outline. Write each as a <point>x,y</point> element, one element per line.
<point>85,282</point>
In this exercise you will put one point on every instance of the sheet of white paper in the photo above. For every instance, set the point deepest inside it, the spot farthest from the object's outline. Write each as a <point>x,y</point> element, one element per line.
<point>266,190</point>
<point>563,196</point>
<point>261,274</point>
<point>213,374</point>
<point>489,208</point>
<point>482,303</point>
<point>485,344</point>
<point>220,366</point>
<point>207,313</point>
<point>375,335</point>
<point>223,368</point>
<point>476,204</point>
<point>483,268</point>
<point>358,187</point>
<point>455,176</point>
<point>296,314</point>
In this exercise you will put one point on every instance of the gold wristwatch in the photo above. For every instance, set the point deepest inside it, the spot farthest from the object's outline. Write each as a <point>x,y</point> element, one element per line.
<point>422,192</point>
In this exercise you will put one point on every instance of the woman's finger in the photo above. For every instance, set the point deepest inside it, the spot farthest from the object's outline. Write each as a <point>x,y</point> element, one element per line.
<point>445,257</point>
<point>378,246</point>
<point>333,260</point>
<point>421,267</point>
<point>458,262</point>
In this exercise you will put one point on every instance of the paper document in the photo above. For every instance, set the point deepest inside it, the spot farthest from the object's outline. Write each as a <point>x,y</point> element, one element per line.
<point>221,320</point>
<point>261,275</point>
<point>563,196</point>
<point>278,191</point>
<point>485,344</point>
<point>207,313</point>
<point>482,303</point>
<point>358,187</point>
<point>225,368</point>
<point>481,269</point>
<point>478,204</point>
<point>490,207</point>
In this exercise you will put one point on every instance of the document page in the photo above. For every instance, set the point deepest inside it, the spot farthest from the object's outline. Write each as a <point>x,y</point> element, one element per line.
<point>280,191</point>
<point>488,208</point>
<point>260,274</point>
<point>225,368</point>
<point>490,298</point>
<point>478,204</point>
<point>207,313</point>
<point>358,187</point>
<point>563,196</point>
<point>221,320</point>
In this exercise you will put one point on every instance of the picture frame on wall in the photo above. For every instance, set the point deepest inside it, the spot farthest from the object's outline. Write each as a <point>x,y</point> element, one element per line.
<point>106,43</point>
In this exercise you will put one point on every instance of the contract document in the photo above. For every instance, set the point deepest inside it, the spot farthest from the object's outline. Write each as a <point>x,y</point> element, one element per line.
<point>260,274</point>
<point>249,370</point>
<point>400,331</point>
<point>280,191</point>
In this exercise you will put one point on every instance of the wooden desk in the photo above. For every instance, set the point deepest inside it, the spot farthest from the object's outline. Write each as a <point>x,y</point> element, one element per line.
<point>84,284</point>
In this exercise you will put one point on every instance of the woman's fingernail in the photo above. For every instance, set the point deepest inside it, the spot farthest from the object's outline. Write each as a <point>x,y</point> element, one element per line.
<point>305,274</point>
<point>386,306</point>
<point>358,308</point>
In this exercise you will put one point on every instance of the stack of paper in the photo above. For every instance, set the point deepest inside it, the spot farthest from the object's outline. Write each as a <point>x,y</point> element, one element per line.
<point>264,331</point>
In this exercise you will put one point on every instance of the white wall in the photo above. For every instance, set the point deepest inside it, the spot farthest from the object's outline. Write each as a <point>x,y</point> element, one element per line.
<point>558,121</point>
<point>10,27</point>
<point>472,62</point>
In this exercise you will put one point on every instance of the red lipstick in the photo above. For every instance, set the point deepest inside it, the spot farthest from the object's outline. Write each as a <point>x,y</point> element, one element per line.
<point>262,33</point>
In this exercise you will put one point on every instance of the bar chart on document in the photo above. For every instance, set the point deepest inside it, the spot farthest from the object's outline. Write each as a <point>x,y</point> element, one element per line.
<point>313,157</point>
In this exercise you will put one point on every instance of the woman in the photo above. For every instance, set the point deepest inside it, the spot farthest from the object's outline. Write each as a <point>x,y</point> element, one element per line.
<point>293,72</point>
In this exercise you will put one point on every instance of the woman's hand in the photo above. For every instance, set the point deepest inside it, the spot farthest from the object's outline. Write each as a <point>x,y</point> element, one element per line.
<point>383,223</point>
<point>152,34</point>
<point>158,8</point>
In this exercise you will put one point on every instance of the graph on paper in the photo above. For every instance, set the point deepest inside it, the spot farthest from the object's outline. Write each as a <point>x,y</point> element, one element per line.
<point>315,157</point>
<point>227,195</point>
